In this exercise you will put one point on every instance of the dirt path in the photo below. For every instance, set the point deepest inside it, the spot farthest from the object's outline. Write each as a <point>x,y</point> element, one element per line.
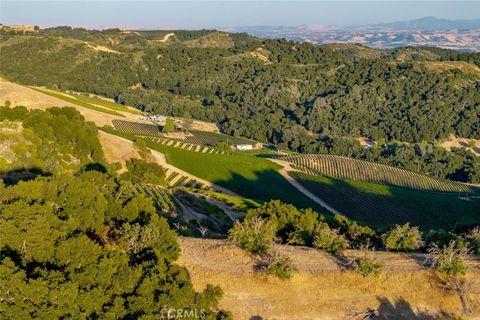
<point>166,37</point>
<point>220,256</point>
<point>284,172</point>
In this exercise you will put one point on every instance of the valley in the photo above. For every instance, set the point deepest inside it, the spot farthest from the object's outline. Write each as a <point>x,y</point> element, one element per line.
<point>143,171</point>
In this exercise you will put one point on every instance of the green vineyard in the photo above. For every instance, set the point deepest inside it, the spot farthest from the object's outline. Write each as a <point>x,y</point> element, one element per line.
<point>353,169</point>
<point>212,138</point>
<point>175,179</point>
<point>383,206</point>
<point>141,129</point>
<point>177,143</point>
<point>162,198</point>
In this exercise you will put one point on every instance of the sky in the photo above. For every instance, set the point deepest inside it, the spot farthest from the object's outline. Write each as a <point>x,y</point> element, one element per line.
<point>229,13</point>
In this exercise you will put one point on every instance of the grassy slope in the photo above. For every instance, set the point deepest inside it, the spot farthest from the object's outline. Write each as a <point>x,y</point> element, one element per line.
<point>104,103</point>
<point>382,206</point>
<point>77,102</point>
<point>248,176</point>
<point>214,138</point>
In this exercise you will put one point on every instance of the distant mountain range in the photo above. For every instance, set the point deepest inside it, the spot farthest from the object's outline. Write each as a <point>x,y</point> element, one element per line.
<point>429,31</point>
<point>428,23</point>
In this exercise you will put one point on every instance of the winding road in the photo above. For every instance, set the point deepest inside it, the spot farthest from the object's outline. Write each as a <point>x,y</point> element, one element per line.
<point>284,173</point>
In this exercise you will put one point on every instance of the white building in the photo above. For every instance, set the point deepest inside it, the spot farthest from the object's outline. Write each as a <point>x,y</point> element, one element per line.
<point>243,147</point>
<point>154,118</point>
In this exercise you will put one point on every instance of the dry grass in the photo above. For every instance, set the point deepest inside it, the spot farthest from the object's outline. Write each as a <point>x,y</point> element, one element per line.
<point>211,40</point>
<point>198,125</point>
<point>261,54</point>
<point>101,48</point>
<point>320,290</point>
<point>441,66</point>
<point>456,142</point>
<point>20,95</point>
<point>117,149</point>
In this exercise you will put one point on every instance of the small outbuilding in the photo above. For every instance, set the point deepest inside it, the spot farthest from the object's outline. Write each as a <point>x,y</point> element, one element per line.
<point>243,147</point>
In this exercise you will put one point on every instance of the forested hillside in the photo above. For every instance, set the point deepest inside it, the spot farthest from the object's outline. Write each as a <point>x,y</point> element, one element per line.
<point>57,140</point>
<point>86,246</point>
<point>301,96</point>
<point>77,242</point>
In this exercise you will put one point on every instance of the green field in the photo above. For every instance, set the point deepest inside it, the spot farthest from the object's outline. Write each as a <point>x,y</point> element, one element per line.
<point>212,138</point>
<point>104,103</point>
<point>382,206</point>
<point>77,102</point>
<point>248,176</point>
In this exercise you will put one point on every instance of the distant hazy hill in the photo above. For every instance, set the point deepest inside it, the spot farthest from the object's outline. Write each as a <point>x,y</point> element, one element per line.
<point>429,23</point>
<point>428,31</point>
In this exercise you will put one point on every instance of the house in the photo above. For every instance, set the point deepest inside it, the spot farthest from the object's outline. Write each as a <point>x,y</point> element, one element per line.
<point>243,147</point>
<point>154,118</point>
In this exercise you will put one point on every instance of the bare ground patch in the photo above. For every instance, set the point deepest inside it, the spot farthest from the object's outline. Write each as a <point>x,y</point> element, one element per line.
<point>117,149</point>
<point>472,145</point>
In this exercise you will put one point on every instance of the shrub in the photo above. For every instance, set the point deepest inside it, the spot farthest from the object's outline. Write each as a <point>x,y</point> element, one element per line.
<point>169,125</point>
<point>473,240</point>
<point>357,234</point>
<point>224,146</point>
<point>440,237</point>
<point>278,265</point>
<point>403,238</point>
<point>253,234</point>
<point>450,259</point>
<point>140,171</point>
<point>366,265</point>
<point>329,239</point>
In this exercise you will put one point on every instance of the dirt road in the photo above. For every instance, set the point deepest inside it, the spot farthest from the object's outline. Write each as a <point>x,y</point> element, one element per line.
<point>284,172</point>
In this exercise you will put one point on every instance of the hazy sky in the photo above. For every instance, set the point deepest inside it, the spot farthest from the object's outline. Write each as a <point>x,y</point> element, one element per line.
<point>216,14</point>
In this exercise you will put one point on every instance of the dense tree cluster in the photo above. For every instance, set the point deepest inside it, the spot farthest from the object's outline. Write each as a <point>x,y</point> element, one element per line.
<point>141,172</point>
<point>56,140</point>
<point>305,97</point>
<point>88,246</point>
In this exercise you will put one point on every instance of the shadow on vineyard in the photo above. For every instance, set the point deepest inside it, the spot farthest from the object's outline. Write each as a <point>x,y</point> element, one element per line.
<point>382,206</point>
<point>268,185</point>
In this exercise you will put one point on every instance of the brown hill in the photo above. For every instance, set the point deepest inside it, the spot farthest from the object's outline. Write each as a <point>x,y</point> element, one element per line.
<point>321,289</point>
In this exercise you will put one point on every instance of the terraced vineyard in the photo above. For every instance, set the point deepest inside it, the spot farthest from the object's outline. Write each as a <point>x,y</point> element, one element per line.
<point>353,169</point>
<point>383,206</point>
<point>142,129</point>
<point>163,199</point>
<point>175,179</point>
<point>155,134</point>
<point>212,138</point>
<point>176,143</point>
<point>194,137</point>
